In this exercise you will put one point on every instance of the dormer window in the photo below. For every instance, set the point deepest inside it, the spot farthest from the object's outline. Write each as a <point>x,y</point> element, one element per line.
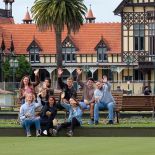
<point>69,50</point>
<point>34,51</point>
<point>101,49</point>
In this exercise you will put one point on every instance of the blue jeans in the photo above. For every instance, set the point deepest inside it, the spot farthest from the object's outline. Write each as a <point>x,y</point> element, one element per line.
<point>29,122</point>
<point>84,106</point>
<point>100,106</point>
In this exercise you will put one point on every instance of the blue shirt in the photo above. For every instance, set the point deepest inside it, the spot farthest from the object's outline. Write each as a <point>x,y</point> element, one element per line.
<point>29,109</point>
<point>104,94</point>
<point>73,112</point>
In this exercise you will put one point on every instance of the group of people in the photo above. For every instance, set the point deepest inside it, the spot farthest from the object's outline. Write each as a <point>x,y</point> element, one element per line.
<point>39,106</point>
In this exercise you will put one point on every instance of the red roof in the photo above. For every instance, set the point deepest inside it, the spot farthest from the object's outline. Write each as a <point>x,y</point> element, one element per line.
<point>86,39</point>
<point>6,20</point>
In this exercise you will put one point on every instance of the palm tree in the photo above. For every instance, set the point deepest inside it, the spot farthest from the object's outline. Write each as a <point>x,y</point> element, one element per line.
<point>57,14</point>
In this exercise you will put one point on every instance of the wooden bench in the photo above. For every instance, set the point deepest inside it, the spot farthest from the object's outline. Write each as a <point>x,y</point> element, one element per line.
<point>118,97</point>
<point>139,103</point>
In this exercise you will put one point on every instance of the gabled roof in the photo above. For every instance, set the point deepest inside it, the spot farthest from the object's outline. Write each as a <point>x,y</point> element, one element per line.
<point>102,43</point>
<point>85,39</point>
<point>2,44</point>
<point>34,43</point>
<point>126,3</point>
<point>120,7</point>
<point>12,48</point>
<point>70,39</point>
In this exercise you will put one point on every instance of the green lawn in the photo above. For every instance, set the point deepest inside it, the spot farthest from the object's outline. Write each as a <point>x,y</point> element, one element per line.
<point>76,146</point>
<point>125,122</point>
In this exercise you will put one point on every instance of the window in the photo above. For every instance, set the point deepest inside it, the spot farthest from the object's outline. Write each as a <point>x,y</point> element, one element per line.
<point>34,51</point>
<point>101,49</point>
<point>152,38</point>
<point>34,54</point>
<point>138,76</point>
<point>139,37</point>
<point>68,50</point>
<point>101,54</point>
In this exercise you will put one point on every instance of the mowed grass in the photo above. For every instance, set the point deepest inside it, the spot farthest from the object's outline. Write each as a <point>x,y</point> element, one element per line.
<point>76,146</point>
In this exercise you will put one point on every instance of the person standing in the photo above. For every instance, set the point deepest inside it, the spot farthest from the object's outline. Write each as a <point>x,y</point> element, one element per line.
<point>103,100</point>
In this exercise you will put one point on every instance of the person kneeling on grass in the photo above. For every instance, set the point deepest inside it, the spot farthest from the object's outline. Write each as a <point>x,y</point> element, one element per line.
<point>74,119</point>
<point>28,115</point>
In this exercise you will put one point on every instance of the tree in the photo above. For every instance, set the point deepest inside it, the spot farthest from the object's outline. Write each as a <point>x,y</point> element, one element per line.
<point>57,14</point>
<point>6,70</point>
<point>24,68</point>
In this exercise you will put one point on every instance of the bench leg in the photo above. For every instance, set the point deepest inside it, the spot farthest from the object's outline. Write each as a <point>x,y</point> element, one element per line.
<point>153,113</point>
<point>117,116</point>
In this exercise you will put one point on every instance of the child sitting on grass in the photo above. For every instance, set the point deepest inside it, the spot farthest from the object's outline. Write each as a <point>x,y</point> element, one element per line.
<point>74,119</point>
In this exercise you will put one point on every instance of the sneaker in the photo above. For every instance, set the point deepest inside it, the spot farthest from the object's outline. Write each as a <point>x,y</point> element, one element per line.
<point>37,133</point>
<point>45,132</point>
<point>70,133</point>
<point>90,122</point>
<point>96,123</point>
<point>110,122</point>
<point>54,132</point>
<point>28,134</point>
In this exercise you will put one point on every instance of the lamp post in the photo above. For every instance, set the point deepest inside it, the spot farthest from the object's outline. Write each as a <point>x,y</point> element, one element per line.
<point>1,74</point>
<point>13,64</point>
<point>86,70</point>
<point>128,62</point>
<point>154,75</point>
<point>113,69</point>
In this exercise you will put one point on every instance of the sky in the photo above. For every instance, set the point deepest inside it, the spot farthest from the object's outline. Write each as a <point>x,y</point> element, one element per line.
<point>102,9</point>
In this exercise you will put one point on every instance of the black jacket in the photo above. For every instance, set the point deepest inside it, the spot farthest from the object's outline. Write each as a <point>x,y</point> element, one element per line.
<point>69,93</point>
<point>46,108</point>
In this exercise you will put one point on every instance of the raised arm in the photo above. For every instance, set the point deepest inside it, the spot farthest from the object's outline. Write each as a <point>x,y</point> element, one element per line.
<point>79,72</point>
<point>37,79</point>
<point>65,105</point>
<point>60,82</point>
<point>105,80</point>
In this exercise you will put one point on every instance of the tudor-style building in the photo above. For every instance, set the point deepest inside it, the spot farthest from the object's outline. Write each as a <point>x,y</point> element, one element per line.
<point>138,38</point>
<point>123,51</point>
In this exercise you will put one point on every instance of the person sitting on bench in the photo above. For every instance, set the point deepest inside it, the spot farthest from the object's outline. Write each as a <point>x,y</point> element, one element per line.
<point>103,99</point>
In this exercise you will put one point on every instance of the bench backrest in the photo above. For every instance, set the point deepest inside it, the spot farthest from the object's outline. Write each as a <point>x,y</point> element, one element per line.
<point>138,103</point>
<point>118,97</point>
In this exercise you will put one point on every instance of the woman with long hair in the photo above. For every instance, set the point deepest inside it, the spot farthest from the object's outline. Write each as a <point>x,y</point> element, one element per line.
<point>47,116</point>
<point>26,86</point>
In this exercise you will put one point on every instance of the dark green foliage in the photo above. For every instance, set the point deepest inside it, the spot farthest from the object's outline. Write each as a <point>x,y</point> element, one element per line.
<point>24,68</point>
<point>6,70</point>
<point>57,14</point>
